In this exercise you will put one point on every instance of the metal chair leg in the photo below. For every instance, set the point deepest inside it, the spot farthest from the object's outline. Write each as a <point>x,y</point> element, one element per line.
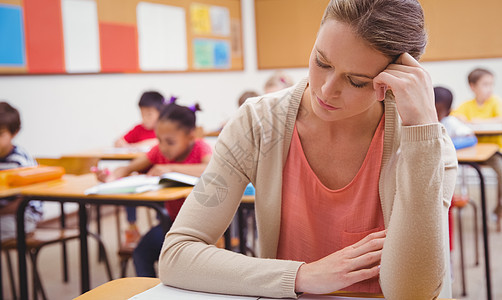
<point>11,274</point>
<point>105,256</point>
<point>37,283</point>
<point>476,232</point>
<point>123,267</point>
<point>461,242</point>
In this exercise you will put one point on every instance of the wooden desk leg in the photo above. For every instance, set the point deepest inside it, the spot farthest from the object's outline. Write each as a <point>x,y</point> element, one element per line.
<point>21,249</point>
<point>84,254</point>
<point>484,221</point>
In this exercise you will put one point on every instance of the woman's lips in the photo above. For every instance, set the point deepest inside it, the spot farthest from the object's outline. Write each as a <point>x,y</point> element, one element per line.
<point>325,106</point>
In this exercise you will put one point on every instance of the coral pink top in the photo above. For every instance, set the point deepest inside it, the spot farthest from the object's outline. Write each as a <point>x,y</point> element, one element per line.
<point>317,221</point>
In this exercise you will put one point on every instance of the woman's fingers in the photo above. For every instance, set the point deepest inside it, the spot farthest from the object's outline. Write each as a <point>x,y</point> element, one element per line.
<point>373,235</point>
<point>343,268</point>
<point>407,60</point>
<point>369,243</point>
<point>367,260</point>
<point>362,274</point>
<point>369,246</point>
<point>412,87</point>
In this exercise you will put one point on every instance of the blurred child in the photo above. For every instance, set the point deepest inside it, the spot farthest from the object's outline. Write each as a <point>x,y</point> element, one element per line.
<point>12,156</point>
<point>278,81</point>
<point>143,135</point>
<point>178,151</point>
<point>244,96</point>
<point>485,107</point>
<point>463,136</point>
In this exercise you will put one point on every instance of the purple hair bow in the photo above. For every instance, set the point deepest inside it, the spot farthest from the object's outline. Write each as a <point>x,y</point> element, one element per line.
<point>193,108</point>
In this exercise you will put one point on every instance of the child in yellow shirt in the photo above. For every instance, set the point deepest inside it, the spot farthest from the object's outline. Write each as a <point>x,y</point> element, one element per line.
<point>485,107</point>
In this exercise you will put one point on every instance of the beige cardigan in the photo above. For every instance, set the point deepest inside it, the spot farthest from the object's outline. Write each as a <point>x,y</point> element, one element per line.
<point>416,184</point>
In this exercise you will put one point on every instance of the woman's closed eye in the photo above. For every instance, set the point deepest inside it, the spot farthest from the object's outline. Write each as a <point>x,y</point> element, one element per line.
<point>357,84</point>
<point>320,64</point>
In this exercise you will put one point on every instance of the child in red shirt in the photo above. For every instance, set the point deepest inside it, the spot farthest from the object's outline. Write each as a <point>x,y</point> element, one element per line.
<point>177,151</point>
<point>143,135</point>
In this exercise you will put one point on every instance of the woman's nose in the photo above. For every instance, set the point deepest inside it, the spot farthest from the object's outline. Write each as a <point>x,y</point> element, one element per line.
<point>331,87</point>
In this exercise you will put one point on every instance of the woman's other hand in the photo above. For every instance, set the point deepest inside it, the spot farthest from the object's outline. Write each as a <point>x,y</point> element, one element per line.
<point>343,268</point>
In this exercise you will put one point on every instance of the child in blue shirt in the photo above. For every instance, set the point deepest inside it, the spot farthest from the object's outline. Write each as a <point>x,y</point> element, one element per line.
<point>463,136</point>
<point>12,156</point>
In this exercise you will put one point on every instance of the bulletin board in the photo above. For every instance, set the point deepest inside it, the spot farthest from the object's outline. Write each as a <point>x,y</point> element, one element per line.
<point>119,36</point>
<point>286,31</point>
<point>457,29</point>
<point>462,29</point>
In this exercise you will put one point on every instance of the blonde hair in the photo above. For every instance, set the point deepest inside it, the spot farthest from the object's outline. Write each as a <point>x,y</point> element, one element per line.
<point>391,27</point>
<point>278,81</point>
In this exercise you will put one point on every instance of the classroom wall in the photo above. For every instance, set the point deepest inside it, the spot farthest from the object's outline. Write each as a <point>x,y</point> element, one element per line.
<point>72,113</point>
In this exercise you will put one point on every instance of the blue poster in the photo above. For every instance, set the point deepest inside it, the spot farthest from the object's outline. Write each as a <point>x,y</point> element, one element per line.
<point>222,55</point>
<point>12,48</point>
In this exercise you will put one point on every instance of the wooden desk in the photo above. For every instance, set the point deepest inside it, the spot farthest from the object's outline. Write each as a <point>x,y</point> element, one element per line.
<point>108,154</point>
<point>126,288</point>
<point>123,288</point>
<point>477,153</point>
<point>487,129</point>
<point>6,191</point>
<point>71,189</point>
<point>473,156</point>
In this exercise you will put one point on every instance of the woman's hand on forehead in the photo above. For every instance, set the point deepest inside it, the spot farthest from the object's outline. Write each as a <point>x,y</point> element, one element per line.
<point>412,87</point>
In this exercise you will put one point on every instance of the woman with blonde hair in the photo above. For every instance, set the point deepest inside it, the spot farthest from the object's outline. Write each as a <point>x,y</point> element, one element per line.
<point>353,173</point>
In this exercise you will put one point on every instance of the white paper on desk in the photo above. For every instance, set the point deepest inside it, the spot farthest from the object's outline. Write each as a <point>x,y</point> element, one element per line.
<point>126,185</point>
<point>328,297</point>
<point>164,292</point>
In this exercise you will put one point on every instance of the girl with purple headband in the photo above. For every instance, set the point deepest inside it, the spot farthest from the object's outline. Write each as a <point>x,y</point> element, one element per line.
<point>178,150</point>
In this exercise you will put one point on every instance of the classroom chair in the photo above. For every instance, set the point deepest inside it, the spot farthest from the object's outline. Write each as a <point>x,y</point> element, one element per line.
<point>126,250</point>
<point>40,238</point>
<point>75,165</point>
<point>458,203</point>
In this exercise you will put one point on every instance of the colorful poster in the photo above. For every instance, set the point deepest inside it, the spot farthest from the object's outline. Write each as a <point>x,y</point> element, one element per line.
<point>211,54</point>
<point>200,19</point>
<point>119,48</point>
<point>203,54</point>
<point>44,36</point>
<point>220,20</point>
<point>12,48</point>
<point>161,37</point>
<point>81,36</point>
<point>221,55</point>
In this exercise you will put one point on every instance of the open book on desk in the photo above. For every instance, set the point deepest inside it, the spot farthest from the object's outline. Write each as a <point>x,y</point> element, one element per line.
<point>142,183</point>
<point>162,292</point>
